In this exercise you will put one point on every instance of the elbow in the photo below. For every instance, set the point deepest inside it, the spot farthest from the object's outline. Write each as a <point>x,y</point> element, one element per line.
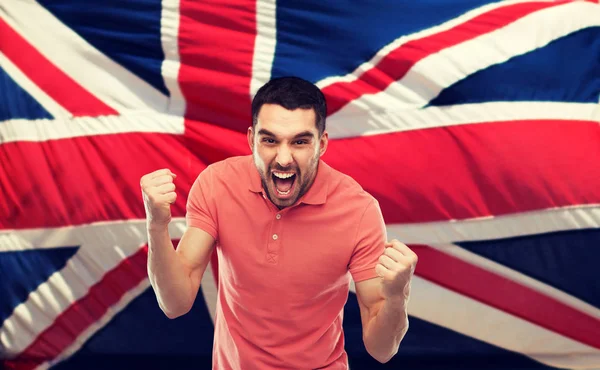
<point>173,313</point>
<point>383,357</point>
<point>384,360</point>
<point>172,305</point>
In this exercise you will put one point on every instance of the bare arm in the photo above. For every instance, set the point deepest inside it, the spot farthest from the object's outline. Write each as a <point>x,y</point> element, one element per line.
<point>384,322</point>
<point>175,275</point>
<point>383,301</point>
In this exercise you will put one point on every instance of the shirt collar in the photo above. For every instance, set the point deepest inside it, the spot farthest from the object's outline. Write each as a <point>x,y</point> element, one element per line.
<point>255,181</point>
<point>317,194</point>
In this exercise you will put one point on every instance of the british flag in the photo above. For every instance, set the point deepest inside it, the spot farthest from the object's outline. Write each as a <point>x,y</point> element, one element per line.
<point>474,123</point>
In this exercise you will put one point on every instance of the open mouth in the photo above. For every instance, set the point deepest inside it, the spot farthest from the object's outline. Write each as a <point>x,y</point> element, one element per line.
<point>284,183</point>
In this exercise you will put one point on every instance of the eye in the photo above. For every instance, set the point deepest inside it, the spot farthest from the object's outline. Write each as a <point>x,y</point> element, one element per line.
<point>268,140</point>
<point>301,142</point>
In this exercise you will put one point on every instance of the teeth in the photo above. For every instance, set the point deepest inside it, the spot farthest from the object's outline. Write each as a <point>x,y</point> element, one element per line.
<point>283,192</point>
<point>283,175</point>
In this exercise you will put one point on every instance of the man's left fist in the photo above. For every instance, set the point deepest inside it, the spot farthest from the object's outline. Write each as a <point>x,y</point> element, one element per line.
<point>396,266</point>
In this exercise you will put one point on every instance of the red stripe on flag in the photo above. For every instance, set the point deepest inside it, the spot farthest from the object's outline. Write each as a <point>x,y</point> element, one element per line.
<point>216,47</point>
<point>475,170</point>
<point>506,295</point>
<point>89,179</point>
<point>399,61</point>
<point>85,312</point>
<point>418,176</point>
<point>54,82</point>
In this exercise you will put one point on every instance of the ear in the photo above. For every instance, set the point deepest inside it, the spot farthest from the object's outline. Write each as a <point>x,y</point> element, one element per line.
<point>251,138</point>
<point>324,141</point>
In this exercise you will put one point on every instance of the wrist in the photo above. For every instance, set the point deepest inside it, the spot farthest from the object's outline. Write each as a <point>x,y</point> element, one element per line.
<point>396,302</point>
<point>397,310</point>
<point>157,227</point>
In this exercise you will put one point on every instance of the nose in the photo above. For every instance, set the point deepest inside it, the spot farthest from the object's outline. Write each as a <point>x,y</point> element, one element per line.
<point>284,156</point>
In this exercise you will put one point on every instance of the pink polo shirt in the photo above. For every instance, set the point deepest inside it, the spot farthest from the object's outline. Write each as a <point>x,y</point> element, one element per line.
<point>284,275</point>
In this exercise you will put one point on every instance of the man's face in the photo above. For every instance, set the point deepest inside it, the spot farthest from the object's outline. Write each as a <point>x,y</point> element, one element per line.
<point>286,149</point>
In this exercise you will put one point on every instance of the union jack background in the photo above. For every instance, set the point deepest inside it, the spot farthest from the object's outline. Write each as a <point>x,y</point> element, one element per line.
<point>474,123</point>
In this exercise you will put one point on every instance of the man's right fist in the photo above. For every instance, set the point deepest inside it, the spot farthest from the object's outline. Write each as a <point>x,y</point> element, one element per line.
<point>158,192</point>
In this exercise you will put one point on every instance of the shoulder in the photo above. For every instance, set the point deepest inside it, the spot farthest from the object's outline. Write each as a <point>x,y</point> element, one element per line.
<point>223,177</point>
<point>345,190</point>
<point>226,170</point>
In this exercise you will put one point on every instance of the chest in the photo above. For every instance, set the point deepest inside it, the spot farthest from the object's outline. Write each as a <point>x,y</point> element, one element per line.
<point>302,251</point>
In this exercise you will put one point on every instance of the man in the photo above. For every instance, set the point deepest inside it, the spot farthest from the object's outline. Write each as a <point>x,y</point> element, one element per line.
<point>289,231</point>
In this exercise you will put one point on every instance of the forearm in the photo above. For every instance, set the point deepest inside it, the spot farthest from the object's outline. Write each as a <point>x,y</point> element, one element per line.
<point>386,330</point>
<point>168,275</point>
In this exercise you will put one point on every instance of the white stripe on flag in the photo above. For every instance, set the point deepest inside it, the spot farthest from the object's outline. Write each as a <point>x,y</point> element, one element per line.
<point>106,79</point>
<point>264,49</point>
<point>426,79</point>
<point>467,316</point>
<point>49,129</point>
<point>514,275</point>
<point>419,35</point>
<point>102,247</point>
<point>169,30</point>
<point>208,285</point>
<point>97,325</point>
<point>376,122</point>
<point>491,325</point>
<point>55,109</point>
<point>578,217</point>
<point>584,216</point>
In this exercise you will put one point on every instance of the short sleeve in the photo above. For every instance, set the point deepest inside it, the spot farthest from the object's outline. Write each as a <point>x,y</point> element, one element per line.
<point>201,204</point>
<point>369,243</point>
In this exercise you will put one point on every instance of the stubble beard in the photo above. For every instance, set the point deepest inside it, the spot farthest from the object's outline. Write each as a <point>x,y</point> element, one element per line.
<point>307,179</point>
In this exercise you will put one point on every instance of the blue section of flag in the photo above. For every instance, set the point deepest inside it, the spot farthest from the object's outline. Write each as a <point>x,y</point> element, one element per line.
<point>17,103</point>
<point>573,75</point>
<point>126,31</point>
<point>452,350</point>
<point>335,37</point>
<point>138,335</point>
<point>23,271</point>
<point>542,257</point>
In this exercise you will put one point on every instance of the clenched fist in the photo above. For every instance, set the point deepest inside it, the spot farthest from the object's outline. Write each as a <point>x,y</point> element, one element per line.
<point>396,267</point>
<point>158,192</point>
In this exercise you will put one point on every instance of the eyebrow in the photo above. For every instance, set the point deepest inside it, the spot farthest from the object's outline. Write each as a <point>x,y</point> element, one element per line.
<point>264,132</point>
<point>297,136</point>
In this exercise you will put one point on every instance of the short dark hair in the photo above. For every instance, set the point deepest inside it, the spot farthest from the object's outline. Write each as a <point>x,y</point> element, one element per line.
<point>291,93</point>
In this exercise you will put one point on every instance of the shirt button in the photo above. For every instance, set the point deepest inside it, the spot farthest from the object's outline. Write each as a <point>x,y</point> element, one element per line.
<point>278,216</point>
<point>275,236</point>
